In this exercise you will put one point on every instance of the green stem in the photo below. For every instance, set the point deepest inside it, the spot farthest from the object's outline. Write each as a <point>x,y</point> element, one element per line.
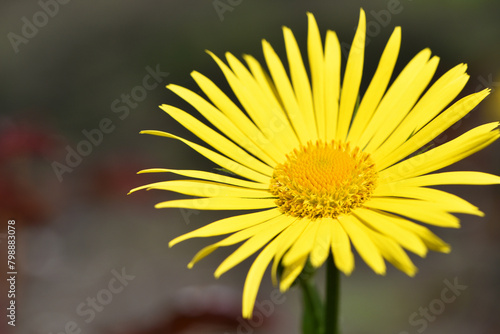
<point>332,297</point>
<point>312,318</point>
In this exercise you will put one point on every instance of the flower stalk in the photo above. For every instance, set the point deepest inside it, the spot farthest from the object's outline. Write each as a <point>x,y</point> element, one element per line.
<point>332,297</point>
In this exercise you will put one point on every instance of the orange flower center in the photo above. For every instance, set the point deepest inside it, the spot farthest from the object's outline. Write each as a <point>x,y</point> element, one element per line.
<point>323,180</point>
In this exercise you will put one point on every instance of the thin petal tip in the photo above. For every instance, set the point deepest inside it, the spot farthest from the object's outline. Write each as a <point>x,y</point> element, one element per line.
<point>412,272</point>
<point>362,14</point>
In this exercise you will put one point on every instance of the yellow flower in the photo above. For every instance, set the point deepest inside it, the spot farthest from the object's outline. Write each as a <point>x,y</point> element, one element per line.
<point>319,172</point>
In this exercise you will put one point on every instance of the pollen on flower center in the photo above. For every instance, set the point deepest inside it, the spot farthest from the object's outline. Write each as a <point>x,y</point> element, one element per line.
<point>323,180</point>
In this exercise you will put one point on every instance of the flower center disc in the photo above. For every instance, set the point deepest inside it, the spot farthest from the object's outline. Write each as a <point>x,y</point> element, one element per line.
<point>323,180</point>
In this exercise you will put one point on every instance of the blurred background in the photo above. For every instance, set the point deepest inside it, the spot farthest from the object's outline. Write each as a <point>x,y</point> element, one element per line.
<point>81,79</point>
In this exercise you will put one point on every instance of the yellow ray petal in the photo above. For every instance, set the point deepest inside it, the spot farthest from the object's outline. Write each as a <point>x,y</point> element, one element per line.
<point>254,278</point>
<point>430,240</point>
<point>286,93</point>
<point>396,97</point>
<point>377,87</point>
<point>226,106</point>
<point>317,67</point>
<point>273,227</point>
<point>271,114</point>
<point>228,225</point>
<point>219,203</point>
<point>302,246</point>
<point>424,211</point>
<point>448,178</point>
<point>217,141</point>
<point>442,92</point>
<point>322,243</point>
<point>300,82</point>
<point>291,272</point>
<point>286,239</point>
<point>264,81</point>
<point>393,253</point>
<point>222,122</point>
<point>443,155</point>
<point>231,240</point>
<point>446,201</point>
<point>206,189</point>
<point>332,84</point>
<point>251,106</point>
<point>432,130</point>
<point>352,79</point>
<point>403,105</point>
<point>384,224</point>
<point>220,160</point>
<point>198,174</point>
<point>341,247</point>
<point>363,243</point>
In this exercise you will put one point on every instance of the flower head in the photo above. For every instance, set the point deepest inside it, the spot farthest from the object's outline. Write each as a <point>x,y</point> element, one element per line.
<point>319,171</point>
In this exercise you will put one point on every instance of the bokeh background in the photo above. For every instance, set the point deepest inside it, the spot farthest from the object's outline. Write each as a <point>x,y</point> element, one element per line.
<point>77,230</point>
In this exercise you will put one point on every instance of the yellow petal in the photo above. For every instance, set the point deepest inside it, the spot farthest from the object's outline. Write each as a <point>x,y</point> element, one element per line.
<point>300,82</point>
<point>273,227</point>
<point>219,203</point>
<point>228,108</point>
<point>332,84</point>
<point>322,243</point>
<point>442,92</point>
<point>448,178</point>
<point>254,278</point>
<point>217,141</point>
<point>229,225</point>
<point>385,224</point>
<point>302,246</point>
<point>286,239</point>
<point>264,81</point>
<point>424,211</point>
<point>198,174</point>
<point>286,93</point>
<point>377,87</point>
<point>430,240</point>
<point>291,272</point>
<point>363,243</point>
<point>317,67</point>
<point>432,130</point>
<point>443,155</point>
<point>220,160</point>
<point>274,123</point>
<point>403,105</point>
<point>252,107</point>
<point>352,79</point>
<point>393,253</point>
<point>206,189</point>
<point>396,97</point>
<point>222,122</point>
<point>446,201</point>
<point>231,240</point>
<point>341,247</point>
